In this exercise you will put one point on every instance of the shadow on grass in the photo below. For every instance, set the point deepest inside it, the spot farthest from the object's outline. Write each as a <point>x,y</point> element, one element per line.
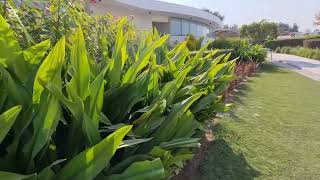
<point>270,68</point>
<point>222,163</point>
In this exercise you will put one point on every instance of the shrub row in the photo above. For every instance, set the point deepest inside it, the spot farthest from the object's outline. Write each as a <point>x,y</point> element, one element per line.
<point>113,104</point>
<point>241,48</point>
<point>273,44</point>
<point>300,51</point>
<point>308,42</point>
<point>312,43</point>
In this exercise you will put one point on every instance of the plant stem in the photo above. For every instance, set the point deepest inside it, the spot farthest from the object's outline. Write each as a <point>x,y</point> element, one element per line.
<point>5,9</point>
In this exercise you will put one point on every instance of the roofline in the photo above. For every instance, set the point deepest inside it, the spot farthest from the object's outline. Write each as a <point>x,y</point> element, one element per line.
<point>171,10</point>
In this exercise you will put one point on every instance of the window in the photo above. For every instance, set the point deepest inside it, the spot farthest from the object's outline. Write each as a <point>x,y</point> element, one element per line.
<point>200,30</point>
<point>175,27</point>
<point>185,27</point>
<point>193,28</point>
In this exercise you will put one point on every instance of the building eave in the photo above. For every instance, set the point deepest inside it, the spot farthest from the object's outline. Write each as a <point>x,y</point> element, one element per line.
<point>169,9</point>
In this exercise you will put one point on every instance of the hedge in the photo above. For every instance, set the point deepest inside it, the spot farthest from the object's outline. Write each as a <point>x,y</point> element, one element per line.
<point>312,43</point>
<point>296,42</point>
<point>273,44</point>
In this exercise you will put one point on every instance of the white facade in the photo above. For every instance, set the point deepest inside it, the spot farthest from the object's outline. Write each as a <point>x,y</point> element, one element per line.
<point>168,18</point>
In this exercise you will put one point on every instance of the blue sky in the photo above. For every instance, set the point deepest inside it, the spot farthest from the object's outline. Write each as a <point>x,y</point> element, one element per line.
<point>240,12</point>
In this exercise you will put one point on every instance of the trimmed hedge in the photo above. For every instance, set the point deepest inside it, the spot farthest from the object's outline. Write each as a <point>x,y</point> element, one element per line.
<point>274,44</point>
<point>296,42</point>
<point>311,43</point>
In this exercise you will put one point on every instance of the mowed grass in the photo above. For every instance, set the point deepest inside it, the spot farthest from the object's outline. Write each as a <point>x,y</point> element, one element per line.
<point>273,132</point>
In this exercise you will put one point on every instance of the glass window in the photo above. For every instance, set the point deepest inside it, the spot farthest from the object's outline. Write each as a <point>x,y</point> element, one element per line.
<point>185,27</point>
<point>200,30</point>
<point>175,27</point>
<point>193,28</point>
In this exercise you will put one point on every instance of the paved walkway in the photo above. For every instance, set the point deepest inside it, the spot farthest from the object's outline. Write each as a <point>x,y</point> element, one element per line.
<point>307,67</point>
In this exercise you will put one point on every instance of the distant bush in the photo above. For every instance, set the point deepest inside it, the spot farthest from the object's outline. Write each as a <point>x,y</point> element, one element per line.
<point>301,51</point>
<point>241,48</point>
<point>311,43</point>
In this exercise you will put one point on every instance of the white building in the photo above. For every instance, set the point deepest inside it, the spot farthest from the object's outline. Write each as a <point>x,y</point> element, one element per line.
<point>168,18</point>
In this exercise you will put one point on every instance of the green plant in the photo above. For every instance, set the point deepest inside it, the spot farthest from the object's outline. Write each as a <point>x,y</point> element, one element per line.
<point>241,48</point>
<point>259,32</point>
<point>134,110</point>
<point>301,51</point>
<point>33,24</point>
<point>278,50</point>
<point>193,43</point>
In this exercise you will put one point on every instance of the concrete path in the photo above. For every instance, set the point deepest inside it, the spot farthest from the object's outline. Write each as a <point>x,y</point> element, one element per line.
<point>307,67</point>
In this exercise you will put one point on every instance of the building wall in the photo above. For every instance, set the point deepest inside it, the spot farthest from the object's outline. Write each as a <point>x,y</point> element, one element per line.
<point>146,19</point>
<point>163,28</point>
<point>141,20</point>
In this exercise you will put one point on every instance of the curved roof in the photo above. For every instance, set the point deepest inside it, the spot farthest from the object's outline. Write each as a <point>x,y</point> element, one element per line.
<point>172,10</point>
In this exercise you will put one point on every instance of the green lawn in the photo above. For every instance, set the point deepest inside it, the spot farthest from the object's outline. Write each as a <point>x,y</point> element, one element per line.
<point>273,133</point>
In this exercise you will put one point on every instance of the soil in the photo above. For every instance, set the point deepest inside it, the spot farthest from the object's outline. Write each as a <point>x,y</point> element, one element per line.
<point>192,169</point>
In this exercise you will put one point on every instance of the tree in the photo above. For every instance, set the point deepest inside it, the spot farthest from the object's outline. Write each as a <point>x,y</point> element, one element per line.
<point>294,28</point>
<point>258,32</point>
<point>234,27</point>
<point>216,13</point>
<point>283,27</point>
<point>317,22</point>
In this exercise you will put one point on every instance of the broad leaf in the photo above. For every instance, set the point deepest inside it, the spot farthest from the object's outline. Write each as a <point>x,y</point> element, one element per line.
<point>13,176</point>
<point>80,64</point>
<point>50,70</point>
<point>34,54</point>
<point>10,48</point>
<point>89,163</point>
<point>7,119</point>
<point>142,61</point>
<point>142,170</point>
<point>168,128</point>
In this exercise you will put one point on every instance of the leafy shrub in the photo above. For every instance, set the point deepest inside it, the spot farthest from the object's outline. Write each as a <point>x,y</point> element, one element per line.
<point>33,24</point>
<point>278,50</point>
<point>135,110</point>
<point>286,50</point>
<point>311,43</point>
<point>258,53</point>
<point>241,48</point>
<point>301,51</point>
<point>193,43</point>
